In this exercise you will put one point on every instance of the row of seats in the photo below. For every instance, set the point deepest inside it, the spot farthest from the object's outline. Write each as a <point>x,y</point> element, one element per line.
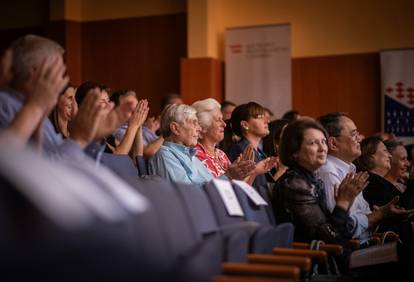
<point>197,217</point>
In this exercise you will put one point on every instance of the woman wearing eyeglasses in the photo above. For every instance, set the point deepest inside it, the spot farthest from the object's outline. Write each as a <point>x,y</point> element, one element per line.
<point>249,122</point>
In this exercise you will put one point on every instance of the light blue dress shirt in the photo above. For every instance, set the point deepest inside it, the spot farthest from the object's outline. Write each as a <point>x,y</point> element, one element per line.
<point>54,145</point>
<point>178,163</point>
<point>332,173</point>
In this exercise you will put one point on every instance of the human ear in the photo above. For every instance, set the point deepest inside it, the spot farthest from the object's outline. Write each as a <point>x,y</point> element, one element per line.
<point>332,144</point>
<point>175,128</point>
<point>244,125</point>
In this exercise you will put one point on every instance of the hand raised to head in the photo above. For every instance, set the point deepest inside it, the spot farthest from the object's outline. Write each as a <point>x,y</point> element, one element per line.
<point>46,83</point>
<point>85,124</point>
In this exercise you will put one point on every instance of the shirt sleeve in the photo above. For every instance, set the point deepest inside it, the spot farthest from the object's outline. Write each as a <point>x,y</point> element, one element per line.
<point>358,217</point>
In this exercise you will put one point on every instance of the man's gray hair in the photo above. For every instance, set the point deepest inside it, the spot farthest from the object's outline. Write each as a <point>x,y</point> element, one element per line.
<point>175,113</point>
<point>204,110</point>
<point>28,52</point>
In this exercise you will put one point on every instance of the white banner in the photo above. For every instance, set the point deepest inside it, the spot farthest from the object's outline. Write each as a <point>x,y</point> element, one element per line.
<point>397,75</point>
<point>258,67</point>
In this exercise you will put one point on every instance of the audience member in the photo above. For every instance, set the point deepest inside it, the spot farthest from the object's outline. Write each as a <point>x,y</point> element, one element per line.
<point>299,195</point>
<point>227,108</point>
<point>291,115</point>
<point>65,110</point>
<point>249,123</point>
<point>212,126</point>
<point>271,145</point>
<point>176,160</point>
<point>152,148</point>
<point>38,78</point>
<point>343,148</point>
<point>376,159</point>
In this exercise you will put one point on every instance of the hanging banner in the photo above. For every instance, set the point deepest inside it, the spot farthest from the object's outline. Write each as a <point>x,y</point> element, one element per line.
<point>258,67</point>
<point>397,75</point>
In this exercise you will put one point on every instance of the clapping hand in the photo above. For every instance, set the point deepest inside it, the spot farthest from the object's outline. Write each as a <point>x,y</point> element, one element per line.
<point>350,187</point>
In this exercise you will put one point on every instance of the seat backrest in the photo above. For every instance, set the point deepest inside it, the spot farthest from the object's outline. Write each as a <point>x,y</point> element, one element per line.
<point>264,192</point>
<point>251,211</point>
<point>282,233</point>
<point>219,208</point>
<point>120,164</point>
<point>197,258</point>
<point>198,207</point>
<point>142,165</point>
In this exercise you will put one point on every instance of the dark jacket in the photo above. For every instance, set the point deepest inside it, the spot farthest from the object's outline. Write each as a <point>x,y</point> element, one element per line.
<point>299,197</point>
<point>379,192</point>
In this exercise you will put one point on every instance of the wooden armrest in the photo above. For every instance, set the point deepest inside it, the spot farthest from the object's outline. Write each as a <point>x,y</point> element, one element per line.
<point>321,256</point>
<point>224,278</point>
<point>375,241</point>
<point>283,271</point>
<point>332,249</point>
<point>304,263</point>
<point>355,244</point>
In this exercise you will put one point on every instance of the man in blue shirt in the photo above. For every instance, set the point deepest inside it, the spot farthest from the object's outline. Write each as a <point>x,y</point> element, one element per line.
<point>176,160</point>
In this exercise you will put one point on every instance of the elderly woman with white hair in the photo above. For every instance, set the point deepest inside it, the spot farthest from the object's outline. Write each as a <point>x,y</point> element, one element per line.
<point>212,126</point>
<point>176,160</point>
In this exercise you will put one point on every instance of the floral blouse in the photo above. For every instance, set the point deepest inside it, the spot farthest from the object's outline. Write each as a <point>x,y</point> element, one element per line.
<point>216,163</point>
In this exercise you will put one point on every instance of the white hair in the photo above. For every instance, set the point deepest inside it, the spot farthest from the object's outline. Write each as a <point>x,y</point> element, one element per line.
<point>204,110</point>
<point>29,51</point>
<point>175,113</point>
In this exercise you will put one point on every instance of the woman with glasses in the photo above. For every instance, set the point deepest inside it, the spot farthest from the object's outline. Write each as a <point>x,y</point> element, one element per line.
<point>248,121</point>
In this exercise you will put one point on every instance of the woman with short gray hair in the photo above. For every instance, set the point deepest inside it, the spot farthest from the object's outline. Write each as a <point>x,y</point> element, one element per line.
<point>176,160</point>
<point>212,126</point>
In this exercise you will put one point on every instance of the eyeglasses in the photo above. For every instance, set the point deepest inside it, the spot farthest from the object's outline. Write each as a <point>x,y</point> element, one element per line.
<point>355,135</point>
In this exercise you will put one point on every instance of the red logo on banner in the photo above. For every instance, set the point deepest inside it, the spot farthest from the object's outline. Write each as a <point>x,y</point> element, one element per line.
<point>401,93</point>
<point>236,48</point>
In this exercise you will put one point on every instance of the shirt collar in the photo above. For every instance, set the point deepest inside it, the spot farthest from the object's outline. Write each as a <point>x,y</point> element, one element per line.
<point>181,148</point>
<point>342,166</point>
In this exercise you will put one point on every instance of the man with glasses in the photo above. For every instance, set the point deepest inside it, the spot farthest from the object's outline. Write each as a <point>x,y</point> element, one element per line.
<point>343,148</point>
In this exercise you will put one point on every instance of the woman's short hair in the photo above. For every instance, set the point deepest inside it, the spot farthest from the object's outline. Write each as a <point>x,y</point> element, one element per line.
<point>292,139</point>
<point>175,113</point>
<point>244,112</point>
<point>369,147</point>
<point>29,51</point>
<point>204,110</point>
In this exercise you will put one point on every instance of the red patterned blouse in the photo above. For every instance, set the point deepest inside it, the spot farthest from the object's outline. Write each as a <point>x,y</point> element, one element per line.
<point>217,164</point>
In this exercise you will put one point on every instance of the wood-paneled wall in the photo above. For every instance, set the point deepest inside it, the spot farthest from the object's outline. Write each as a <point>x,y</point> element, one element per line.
<point>346,83</point>
<point>201,78</point>
<point>142,54</point>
